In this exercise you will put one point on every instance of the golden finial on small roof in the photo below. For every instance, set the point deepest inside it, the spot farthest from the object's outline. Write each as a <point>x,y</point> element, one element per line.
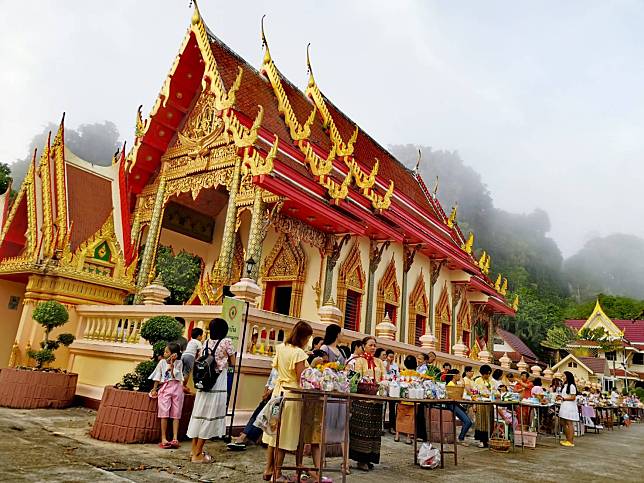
<point>497,284</point>
<point>451,221</point>
<point>267,52</point>
<point>504,287</point>
<point>467,246</point>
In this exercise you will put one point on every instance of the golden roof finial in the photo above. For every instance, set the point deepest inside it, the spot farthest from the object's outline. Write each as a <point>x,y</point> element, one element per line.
<point>420,155</point>
<point>196,15</point>
<point>497,284</point>
<point>139,129</point>
<point>308,66</point>
<point>515,304</point>
<point>436,187</point>
<point>451,221</point>
<point>267,52</point>
<point>504,287</point>
<point>467,246</point>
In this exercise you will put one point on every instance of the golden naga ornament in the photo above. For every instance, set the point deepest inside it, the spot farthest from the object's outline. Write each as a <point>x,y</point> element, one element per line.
<point>504,287</point>
<point>497,284</point>
<point>467,246</point>
<point>515,304</point>
<point>451,221</point>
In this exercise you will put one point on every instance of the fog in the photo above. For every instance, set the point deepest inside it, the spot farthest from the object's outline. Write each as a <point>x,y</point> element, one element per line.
<point>544,100</point>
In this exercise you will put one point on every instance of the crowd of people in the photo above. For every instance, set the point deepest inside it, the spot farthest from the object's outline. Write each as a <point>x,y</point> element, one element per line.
<point>367,418</point>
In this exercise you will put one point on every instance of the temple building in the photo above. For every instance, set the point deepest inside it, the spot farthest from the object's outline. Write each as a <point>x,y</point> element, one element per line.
<point>236,163</point>
<point>591,361</point>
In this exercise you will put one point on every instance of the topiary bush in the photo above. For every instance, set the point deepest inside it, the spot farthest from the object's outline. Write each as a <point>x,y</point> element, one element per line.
<point>161,328</point>
<point>180,273</point>
<point>50,314</point>
<point>158,331</point>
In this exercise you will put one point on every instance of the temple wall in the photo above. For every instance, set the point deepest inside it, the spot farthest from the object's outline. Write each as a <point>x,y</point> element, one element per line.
<point>9,318</point>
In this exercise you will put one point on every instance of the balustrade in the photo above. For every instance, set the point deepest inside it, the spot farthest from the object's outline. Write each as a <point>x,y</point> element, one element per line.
<point>120,325</point>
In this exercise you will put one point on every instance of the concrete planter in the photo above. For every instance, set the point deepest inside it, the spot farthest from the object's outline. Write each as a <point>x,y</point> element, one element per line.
<point>28,389</point>
<point>131,417</point>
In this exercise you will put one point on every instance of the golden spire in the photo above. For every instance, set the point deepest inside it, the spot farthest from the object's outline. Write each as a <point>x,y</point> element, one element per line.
<point>515,304</point>
<point>451,221</point>
<point>58,154</point>
<point>504,287</point>
<point>497,284</point>
<point>467,246</point>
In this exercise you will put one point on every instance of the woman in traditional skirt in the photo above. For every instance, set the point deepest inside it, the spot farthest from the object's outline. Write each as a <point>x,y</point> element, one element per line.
<point>366,416</point>
<point>208,419</point>
<point>335,413</point>
<point>484,385</point>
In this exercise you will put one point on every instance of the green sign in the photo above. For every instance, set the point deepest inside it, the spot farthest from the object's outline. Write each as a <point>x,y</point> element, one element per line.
<point>233,313</point>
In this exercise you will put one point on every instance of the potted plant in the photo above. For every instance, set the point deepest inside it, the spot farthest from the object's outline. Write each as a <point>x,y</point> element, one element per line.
<point>41,386</point>
<point>127,414</point>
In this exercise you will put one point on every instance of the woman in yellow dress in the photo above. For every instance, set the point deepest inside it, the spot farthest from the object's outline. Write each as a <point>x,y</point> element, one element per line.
<point>290,362</point>
<point>366,417</point>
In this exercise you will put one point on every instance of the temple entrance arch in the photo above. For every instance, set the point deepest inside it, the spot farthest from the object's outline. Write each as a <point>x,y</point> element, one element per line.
<point>283,275</point>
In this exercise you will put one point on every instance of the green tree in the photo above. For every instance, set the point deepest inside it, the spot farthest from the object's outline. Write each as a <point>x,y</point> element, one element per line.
<point>5,177</point>
<point>180,273</point>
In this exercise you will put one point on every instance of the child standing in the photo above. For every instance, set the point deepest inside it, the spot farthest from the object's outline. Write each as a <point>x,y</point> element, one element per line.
<point>168,388</point>
<point>190,355</point>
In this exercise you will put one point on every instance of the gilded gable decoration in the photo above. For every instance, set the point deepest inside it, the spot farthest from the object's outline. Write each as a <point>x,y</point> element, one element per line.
<point>351,276</point>
<point>388,293</point>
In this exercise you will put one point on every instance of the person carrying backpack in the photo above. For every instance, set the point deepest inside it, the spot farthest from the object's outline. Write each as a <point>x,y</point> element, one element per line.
<point>208,419</point>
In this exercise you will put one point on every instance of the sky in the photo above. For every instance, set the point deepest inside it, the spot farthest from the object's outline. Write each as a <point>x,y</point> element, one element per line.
<point>544,99</point>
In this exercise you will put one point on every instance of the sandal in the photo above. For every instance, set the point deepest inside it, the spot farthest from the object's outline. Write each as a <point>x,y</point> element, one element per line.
<point>267,477</point>
<point>174,444</point>
<point>166,445</point>
<point>205,460</point>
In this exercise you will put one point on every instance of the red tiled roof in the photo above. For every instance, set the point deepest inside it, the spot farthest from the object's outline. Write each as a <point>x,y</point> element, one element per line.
<point>516,343</point>
<point>596,364</point>
<point>633,330</point>
<point>620,373</point>
<point>89,203</point>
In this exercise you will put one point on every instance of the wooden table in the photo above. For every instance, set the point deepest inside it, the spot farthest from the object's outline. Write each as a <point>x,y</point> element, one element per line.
<point>331,397</point>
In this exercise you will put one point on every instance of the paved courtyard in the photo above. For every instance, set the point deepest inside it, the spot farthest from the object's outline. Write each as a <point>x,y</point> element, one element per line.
<point>54,446</point>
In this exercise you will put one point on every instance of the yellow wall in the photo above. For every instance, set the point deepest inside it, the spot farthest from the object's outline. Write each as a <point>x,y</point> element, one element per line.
<point>9,318</point>
<point>94,371</point>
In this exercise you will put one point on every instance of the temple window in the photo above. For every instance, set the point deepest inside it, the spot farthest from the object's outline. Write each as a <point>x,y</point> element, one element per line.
<point>283,274</point>
<point>638,359</point>
<point>388,294</point>
<point>421,322</point>
<point>445,338</point>
<point>352,311</point>
<point>351,286</point>
<point>611,356</point>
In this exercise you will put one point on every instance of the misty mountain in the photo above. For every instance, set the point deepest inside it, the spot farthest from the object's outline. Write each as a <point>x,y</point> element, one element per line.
<point>613,265</point>
<point>96,143</point>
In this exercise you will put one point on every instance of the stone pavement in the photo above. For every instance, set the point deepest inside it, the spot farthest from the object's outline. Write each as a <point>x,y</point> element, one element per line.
<point>54,446</point>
